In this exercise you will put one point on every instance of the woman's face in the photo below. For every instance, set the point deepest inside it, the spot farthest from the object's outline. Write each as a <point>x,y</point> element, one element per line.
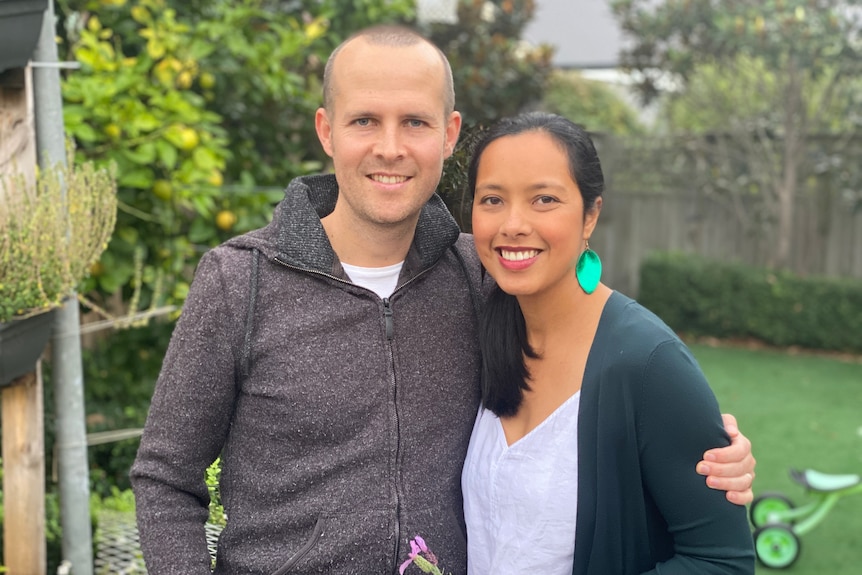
<point>528,215</point>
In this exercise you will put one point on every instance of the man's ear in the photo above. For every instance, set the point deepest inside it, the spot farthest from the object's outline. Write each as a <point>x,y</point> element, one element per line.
<point>324,130</point>
<point>453,129</point>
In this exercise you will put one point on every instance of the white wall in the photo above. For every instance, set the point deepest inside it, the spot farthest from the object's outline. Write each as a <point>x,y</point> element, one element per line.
<point>584,32</point>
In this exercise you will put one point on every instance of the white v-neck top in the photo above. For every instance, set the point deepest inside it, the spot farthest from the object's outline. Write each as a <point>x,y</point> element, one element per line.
<point>520,501</point>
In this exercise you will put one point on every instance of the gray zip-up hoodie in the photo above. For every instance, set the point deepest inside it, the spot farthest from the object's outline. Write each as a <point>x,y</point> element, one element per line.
<point>342,419</point>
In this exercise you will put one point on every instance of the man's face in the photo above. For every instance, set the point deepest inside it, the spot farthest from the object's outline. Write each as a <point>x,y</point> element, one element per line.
<point>386,130</point>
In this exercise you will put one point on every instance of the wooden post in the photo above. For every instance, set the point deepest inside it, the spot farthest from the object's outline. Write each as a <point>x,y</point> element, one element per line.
<point>24,476</point>
<point>23,453</point>
<point>17,127</point>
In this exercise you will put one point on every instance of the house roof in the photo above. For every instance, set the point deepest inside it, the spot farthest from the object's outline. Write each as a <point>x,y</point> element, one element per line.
<point>583,32</point>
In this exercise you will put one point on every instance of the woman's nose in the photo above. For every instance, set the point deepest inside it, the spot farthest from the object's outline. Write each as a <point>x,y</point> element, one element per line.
<point>515,223</point>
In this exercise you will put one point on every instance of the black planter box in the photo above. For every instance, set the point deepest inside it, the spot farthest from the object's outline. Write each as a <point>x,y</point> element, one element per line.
<point>22,342</point>
<point>20,26</point>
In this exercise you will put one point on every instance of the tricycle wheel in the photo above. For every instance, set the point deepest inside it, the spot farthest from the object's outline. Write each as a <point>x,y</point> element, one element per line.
<point>769,508</point>
<point>776,545</point>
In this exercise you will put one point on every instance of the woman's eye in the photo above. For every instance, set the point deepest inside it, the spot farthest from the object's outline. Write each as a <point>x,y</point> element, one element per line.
<point>491,201</point>
<point>546,200</point>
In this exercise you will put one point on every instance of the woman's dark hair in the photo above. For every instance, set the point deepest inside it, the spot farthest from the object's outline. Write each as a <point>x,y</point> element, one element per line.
<point>502,330</point>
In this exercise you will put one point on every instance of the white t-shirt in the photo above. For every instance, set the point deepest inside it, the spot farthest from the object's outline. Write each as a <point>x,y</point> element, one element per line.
<point>520,500</point>
<point>381,281</point>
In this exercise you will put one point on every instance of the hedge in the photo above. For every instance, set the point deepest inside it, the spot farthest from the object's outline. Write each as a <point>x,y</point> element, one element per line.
<point>702,297</point>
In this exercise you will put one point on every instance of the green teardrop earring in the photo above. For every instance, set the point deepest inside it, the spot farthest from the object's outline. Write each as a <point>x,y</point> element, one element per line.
<point>588,270</point>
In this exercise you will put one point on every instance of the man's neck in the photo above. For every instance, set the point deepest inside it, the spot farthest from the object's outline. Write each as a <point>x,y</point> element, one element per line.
<point>368,245</point>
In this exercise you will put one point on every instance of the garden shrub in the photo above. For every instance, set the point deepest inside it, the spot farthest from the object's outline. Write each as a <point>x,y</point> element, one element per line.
<point>703,297</point>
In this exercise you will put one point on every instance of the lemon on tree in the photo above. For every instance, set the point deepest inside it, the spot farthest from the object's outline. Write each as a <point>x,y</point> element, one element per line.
<point>163,190</point>
<point>183,137</point>
<point>206,80</point>
<point>113,131</point>
<point>215,178</point>
<point>189,139</point>
<point>225,220</point>
<point>184,79</point>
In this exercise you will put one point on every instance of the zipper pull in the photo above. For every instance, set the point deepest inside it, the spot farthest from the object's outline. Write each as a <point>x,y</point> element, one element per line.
<point>387,317</point>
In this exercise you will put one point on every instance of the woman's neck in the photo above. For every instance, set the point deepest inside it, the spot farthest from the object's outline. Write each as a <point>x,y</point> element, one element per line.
<point>565,317</point>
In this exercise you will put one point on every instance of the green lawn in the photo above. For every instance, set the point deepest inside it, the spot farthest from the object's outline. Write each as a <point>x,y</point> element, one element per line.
<point>799,411</point>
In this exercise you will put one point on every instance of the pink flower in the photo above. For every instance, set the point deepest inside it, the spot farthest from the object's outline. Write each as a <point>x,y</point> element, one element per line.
<point>418,542</point>
<point>404,566</point>
<point>421,555</point>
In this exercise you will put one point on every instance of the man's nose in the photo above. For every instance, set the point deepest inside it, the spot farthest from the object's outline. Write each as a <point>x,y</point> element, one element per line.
<point>390,144</point>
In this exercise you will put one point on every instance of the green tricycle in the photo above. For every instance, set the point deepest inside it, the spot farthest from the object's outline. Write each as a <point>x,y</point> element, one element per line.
<point>778,523</point>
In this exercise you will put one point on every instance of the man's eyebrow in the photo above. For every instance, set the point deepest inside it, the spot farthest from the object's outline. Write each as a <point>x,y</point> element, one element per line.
<point>359,114</point>
<point>421,116</point>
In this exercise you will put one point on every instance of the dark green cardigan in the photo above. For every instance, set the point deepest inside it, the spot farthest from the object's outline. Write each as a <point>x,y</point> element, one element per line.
<point>647,415</point>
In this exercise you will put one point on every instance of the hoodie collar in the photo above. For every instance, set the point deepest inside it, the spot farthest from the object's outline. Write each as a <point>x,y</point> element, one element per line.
<point>297,237</point>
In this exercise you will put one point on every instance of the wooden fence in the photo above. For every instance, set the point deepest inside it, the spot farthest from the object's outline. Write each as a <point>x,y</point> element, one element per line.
<point>827,238</point>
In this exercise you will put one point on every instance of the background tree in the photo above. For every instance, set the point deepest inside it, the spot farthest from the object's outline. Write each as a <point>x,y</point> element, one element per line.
<point>735,168</point>
<point>496,74</point>
<point>800,58</point>
<point>591,103</point>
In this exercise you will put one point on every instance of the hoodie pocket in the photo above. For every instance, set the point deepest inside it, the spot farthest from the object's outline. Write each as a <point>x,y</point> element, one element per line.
<point>305,549</point>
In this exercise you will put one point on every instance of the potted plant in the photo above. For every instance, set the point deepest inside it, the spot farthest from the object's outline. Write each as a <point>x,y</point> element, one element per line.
<point>51,231</point>
<point>20,26</point>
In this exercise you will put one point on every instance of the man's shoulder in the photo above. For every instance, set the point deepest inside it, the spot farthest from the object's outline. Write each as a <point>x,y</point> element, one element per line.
<point>233,256</point>
<point>466,251</point>
<point>466,246</point>
<point>262,239</point>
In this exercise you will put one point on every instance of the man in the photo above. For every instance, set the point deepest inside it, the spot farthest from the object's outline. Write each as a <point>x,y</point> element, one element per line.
<point>330,358</point>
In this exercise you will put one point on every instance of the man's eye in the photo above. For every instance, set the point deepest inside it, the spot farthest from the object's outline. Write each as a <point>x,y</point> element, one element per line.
<point>363,122</point>
<point>416,123</point>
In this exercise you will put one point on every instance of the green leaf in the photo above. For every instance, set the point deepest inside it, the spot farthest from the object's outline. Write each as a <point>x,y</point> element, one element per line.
<point>74,114</point>
<point>205,159</point>
<point>142,178</point>
<point>85,133</point>
<point>167,154</point>
<point>145,122</point>
<point>204,205</point>
<point>144,154</point>
<point>201,231</point>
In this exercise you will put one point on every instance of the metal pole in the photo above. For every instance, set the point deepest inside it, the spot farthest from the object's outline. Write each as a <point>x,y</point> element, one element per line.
<point>67,373</point>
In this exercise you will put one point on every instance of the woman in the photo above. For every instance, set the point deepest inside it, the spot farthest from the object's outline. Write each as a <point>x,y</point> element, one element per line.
<point>593,413</point>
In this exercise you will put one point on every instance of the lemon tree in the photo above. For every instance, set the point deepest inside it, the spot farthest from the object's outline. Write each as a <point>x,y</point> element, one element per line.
<point>143,100</point>
<point>136,107</point>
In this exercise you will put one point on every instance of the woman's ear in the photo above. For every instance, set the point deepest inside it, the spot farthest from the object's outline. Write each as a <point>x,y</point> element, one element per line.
<point>591,218</point>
